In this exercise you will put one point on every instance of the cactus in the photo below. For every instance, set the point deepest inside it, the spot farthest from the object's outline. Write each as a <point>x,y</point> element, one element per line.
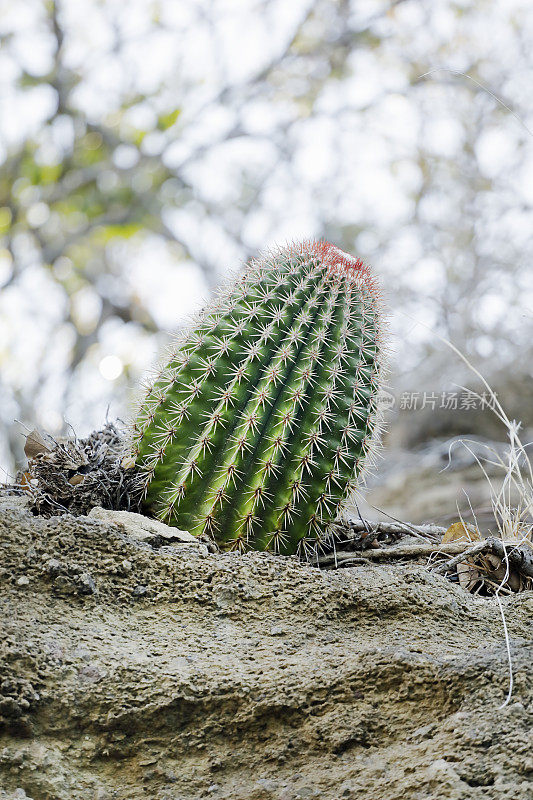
<point>259,427</point>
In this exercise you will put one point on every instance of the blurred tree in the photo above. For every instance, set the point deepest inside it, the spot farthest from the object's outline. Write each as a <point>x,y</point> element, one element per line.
<point>144,152</point>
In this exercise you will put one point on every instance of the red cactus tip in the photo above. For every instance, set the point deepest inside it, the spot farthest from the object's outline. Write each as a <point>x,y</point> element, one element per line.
<point>343,264</point>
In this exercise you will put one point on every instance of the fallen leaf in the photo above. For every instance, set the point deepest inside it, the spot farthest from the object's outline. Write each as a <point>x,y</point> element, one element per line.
<point>35,444</point>
<point>468,574</point>
<point>467,571</point>
<point>25,481</point>
<point>459,532</point>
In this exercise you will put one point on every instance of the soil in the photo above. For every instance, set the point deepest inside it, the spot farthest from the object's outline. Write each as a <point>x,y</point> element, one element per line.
<point>130,670</point>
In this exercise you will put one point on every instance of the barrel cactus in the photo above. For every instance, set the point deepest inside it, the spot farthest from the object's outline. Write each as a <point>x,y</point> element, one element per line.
<point>265,416</point>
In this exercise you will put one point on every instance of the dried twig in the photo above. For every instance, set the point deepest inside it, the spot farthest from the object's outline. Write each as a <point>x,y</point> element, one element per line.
<point>519,556</point>
<point>428,532</point>
<point>400,551</point>
<point>476,548</point>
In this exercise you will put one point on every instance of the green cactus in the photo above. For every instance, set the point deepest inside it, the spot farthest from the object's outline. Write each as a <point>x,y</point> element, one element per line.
<point>259,426</point>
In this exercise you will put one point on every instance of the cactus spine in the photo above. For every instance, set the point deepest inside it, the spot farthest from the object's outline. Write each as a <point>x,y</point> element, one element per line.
<point>258,428</point>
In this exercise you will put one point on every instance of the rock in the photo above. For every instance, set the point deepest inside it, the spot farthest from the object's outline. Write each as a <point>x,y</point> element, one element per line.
<point>53,567</point>
<point>145,529</point>
<point>14,502</point>
<point>269,786</point>
<point>447,484</point>
<point>86,584</point>
<point>18,794</point>
<point>189,675</point>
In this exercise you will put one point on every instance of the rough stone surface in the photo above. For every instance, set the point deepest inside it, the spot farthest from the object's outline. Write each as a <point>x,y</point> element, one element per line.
<point>130,671</point>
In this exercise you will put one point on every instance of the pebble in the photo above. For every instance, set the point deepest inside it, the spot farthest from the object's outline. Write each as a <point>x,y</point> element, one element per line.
<point>87,584</point>
<point>141,527</point>
<point>23,580</point>
<point>53,567</point>
<point>306,791</point>
<point>16,503</point>
<point>267,784</point>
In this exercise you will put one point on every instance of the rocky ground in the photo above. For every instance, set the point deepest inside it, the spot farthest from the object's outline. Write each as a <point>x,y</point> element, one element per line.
<point>431,482</point>
<point>134,665</point>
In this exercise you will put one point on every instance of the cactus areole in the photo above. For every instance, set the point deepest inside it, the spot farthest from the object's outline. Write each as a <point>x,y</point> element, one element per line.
<point>262,423</point>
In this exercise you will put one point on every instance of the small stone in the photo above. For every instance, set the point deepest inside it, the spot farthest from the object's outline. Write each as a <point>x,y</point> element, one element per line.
<point>126,565</point>
<point>53,566</point>
<point>268,785</point>
<point>139,590</point>
<point>86,583</point>
<point>23,580</point>
<point>12,502</point>
<point>277,630</point>
<point>142,528</point>
<point>75,480</point>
